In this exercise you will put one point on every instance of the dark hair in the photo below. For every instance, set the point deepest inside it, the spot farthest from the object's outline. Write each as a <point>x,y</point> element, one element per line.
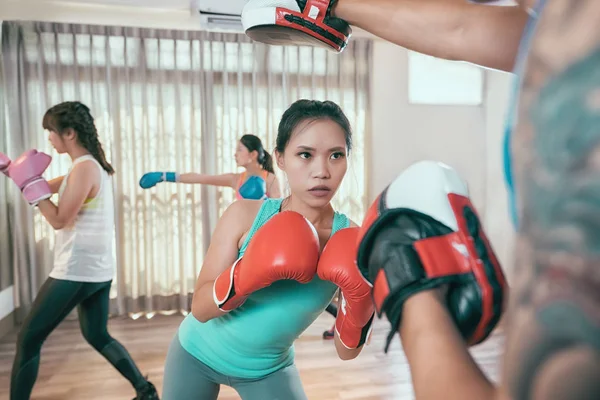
<point>252,143</point>
<point>75,115</point>
<point>303,110</point>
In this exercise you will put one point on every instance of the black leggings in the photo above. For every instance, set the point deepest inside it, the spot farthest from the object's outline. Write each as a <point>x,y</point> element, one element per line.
<point>332,309</point>
<point>53,303</point>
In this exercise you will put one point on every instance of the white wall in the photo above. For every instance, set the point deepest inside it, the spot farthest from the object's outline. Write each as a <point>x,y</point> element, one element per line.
<point>497,217</point>
<point>467,138</point>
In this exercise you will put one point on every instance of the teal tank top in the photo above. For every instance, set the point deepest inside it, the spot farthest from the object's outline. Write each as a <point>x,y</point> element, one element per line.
<point>257,338</point>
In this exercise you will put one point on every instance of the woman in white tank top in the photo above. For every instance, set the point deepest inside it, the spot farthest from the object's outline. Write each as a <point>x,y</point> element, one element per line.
<point>83,256</point>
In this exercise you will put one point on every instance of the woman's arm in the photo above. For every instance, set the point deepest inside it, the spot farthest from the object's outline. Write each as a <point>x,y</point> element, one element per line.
<point>79,185</point>
<point>55,184</point>
<point>274,190</point>
<point>454,30</point>
<point>221,254</point>
<point>228,180</point>
<point>343,352</point>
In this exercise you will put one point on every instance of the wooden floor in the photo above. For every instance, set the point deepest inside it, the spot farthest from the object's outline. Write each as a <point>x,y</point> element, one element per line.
<point>70,369</point>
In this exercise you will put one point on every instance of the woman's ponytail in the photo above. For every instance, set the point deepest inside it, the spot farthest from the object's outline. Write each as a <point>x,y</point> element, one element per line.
<point>266,162</point>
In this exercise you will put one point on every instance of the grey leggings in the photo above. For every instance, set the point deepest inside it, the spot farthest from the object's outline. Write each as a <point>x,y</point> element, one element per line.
<point>188,378</point>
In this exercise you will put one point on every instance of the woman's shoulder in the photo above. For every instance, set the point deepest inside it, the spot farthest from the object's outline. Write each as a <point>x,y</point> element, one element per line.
<point>271,176</point>
<point>236,176</point>
<point>243,212</point>
<point>85,169</point>
<point>86,163</point>
<point>244,207</point>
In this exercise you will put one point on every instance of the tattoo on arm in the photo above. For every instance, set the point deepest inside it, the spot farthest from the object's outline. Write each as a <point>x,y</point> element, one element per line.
<point>556,298</point>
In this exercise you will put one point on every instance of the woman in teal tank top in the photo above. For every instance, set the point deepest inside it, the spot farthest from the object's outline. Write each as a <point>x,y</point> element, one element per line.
<point>251,347</point>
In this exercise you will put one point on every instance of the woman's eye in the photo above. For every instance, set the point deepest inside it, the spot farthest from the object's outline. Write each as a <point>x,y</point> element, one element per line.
<point>304,155</point>
<point>338,155</point>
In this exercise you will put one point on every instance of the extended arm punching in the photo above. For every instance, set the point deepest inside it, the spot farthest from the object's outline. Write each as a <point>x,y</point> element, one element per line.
<point>151,179</point>
<point>254,188</point>
<point>449,29</point>
<point>553,323</point>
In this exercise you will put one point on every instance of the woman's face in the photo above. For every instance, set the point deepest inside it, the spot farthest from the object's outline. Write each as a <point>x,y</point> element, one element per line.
<point>57,142</point>
<point>242,155</point>
<point>315,161</point>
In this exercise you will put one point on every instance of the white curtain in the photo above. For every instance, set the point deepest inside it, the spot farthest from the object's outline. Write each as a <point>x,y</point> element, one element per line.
<point>166,100</point>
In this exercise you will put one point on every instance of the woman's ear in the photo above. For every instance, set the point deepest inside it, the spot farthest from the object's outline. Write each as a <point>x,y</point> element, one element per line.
<point>69,134</point>
<point>279,158</point>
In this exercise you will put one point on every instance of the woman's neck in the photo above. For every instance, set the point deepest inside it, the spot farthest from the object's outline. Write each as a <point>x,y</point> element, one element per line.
<point>321,217</point>
<point>77,152</point>
<point>253,169</point>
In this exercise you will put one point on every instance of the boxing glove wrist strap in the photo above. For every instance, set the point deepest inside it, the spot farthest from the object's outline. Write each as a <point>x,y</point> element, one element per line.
<point>224,294</point>
<point>36,191</point>
<point>170,177</point>
<point>351,335</point>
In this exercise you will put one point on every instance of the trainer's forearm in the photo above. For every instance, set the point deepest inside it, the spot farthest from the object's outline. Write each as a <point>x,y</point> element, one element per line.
<point>440,364</point>
<point>203,303</point>
<point>450,29</point>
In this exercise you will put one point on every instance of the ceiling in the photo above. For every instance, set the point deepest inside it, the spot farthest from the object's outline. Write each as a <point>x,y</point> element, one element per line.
<point>164,4</point>
<point>166,14</point>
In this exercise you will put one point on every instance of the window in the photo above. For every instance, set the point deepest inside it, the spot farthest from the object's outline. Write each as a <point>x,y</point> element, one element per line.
<point>435,81</point>
<point>179,101</point>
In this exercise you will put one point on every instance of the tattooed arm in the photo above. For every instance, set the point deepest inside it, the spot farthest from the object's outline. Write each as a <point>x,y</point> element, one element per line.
<point>553,343</point>
<point>553,323</point>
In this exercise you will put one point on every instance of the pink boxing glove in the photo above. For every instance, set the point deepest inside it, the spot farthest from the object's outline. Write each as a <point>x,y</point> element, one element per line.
<point>4,163</point>
<point>26,171</point>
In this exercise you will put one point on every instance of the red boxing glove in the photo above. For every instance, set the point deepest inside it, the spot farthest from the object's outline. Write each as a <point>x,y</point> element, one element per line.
<point>338,265</point>
<point>285,247</point>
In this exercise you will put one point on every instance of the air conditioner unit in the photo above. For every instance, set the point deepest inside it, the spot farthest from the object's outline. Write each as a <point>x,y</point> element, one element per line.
<point>221,15</point>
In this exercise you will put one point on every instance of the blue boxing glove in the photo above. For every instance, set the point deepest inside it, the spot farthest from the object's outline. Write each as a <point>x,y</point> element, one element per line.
<point>255,188</point>
<point>150,179</point>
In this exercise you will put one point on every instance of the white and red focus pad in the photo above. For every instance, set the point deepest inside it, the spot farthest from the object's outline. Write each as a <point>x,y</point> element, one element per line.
<point>295,22</point>
<point>508,3</point>
<point>424,187</point>
<point>457,252</point>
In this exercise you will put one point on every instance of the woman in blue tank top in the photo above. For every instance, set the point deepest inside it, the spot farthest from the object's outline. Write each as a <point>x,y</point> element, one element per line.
<point>251,348</point>
<point>258,180</point>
